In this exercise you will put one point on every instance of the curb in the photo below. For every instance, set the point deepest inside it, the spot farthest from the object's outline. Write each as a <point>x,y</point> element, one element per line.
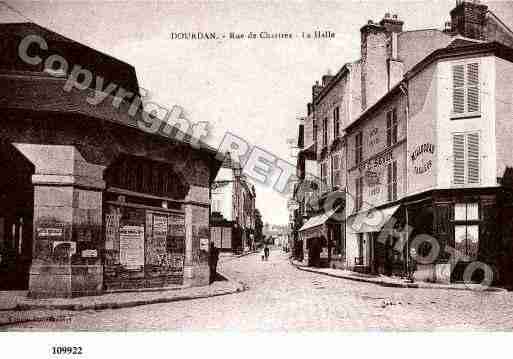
<point>239,287</point>
<point>399,285</point>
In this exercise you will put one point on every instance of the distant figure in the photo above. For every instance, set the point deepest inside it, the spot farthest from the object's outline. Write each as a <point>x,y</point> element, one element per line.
<point>266,253</point>
<point>213,258</point>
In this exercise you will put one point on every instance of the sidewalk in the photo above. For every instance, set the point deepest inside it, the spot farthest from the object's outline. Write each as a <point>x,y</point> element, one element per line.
<point>386,281</point>
<point>16,307</point>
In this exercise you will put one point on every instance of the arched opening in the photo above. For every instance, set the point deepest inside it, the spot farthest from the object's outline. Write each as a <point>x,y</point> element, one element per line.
<point>16,218</point>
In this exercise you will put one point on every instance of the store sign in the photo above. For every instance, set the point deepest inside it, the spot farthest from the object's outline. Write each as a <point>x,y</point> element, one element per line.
<point>204,244</point>
<point>131,246</point>
<point>65,247</point>
<point>89,253</point>
<point>422,158</point>
<point>50,232</point>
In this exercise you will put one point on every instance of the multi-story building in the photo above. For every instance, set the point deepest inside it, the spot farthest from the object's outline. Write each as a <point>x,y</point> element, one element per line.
<point>232,209</point>
<point>418,129</point>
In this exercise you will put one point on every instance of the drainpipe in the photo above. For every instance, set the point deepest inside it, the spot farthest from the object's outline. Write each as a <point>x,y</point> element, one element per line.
<point>404,89</point>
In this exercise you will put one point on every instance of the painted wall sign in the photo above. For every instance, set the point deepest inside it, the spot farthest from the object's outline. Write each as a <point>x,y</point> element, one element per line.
<point>422,158</point>
<point>131,246</point>
<point>376,162</point>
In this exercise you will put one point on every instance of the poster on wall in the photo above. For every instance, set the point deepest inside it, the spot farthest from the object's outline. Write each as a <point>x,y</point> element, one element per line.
<point>131,246</point>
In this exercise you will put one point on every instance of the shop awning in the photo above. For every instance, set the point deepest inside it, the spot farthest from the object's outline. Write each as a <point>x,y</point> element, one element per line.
<point>319,219</point>
<point>371,221</point>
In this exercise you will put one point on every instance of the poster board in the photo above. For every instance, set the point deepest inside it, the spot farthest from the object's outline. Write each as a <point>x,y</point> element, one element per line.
<point>131,246</point>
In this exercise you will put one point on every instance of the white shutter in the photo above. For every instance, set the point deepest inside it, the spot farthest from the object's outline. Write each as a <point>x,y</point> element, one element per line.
<point>458,141</point>
<point>473,157</point>
<point>458,88</point>
<point>473,87</point>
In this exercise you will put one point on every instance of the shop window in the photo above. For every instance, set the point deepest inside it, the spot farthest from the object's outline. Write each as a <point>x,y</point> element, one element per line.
<point>391,127</point>
<point>336,122</point>
<point>358,148</point>
<point>392,181</point>
<point>466,229</point>
<point>465,89</point>
<point>466,165</point>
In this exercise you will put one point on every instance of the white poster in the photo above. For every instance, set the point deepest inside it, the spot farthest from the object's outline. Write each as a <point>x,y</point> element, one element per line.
<point>131,246</point>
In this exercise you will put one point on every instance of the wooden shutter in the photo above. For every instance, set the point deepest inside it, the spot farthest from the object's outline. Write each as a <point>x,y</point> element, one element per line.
<point>458,142</point>
<point>473,87</point>
<point>458,89</point>
<point>394,180</point>
<point>473,157</point>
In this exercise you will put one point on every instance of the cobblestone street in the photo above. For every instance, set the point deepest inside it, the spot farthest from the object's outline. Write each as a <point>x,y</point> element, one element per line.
<point>280,297</point>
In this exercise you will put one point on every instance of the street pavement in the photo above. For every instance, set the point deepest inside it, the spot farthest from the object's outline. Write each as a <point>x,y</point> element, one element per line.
<point>281,297</point>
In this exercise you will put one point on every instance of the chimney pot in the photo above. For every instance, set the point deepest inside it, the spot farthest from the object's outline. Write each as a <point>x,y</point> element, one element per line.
<point>387,15</point>
<point>394,16</point>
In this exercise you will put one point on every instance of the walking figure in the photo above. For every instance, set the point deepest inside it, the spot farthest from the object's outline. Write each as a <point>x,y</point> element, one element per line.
<point>266,253</point>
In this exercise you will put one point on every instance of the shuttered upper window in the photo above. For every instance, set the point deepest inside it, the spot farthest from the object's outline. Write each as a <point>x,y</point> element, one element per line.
<point>466,158</point>
<point>465,89</point>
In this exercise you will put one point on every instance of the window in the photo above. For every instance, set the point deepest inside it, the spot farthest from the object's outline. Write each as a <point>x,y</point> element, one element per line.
<point>465,88</point>
<point>336,122</point>
<point>359,193</point>
<point>325,131</point>
<point>466,229</point>
<point>335,180</point>
<point>324,172</point>
<point>392,181</point>
<point>466,158</point>
<point>391,127</point>
<point>358,148</point>
<point>314,132</point>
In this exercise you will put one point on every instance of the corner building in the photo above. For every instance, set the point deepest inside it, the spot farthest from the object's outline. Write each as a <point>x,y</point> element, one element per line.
<point>418,128</point>
<point>90,202</point>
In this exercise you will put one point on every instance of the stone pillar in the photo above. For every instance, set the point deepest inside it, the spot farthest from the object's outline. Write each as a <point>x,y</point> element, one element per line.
<point>67,222</point>
<point>196,269</point>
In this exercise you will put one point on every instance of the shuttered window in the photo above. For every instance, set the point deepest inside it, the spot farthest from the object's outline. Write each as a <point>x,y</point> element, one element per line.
<point>465,88</point>
<point>391,127</point>
<point>466,158</point>
<point>392,181</point>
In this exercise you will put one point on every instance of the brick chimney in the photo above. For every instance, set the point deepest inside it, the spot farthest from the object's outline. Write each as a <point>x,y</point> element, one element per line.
<point>316,90</point>
<point>468,19</point>
<point>391,23</point>
<point>374,63</point>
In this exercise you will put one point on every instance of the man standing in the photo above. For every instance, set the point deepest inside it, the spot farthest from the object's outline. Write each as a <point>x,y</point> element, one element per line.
<point>213,258</point>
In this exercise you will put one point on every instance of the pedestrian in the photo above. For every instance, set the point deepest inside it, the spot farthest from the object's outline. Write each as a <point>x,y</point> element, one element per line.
<point>266,253</point>
<point>213,258</point>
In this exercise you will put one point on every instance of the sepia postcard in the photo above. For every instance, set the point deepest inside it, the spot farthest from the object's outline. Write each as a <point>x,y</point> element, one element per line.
<point>295,167</point>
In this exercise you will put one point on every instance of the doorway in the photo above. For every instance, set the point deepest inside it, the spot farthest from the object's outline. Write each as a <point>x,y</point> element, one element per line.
<point>16,217</point>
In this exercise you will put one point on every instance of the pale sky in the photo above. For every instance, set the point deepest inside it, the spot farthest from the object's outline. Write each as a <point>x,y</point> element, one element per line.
<point>253,88</point>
